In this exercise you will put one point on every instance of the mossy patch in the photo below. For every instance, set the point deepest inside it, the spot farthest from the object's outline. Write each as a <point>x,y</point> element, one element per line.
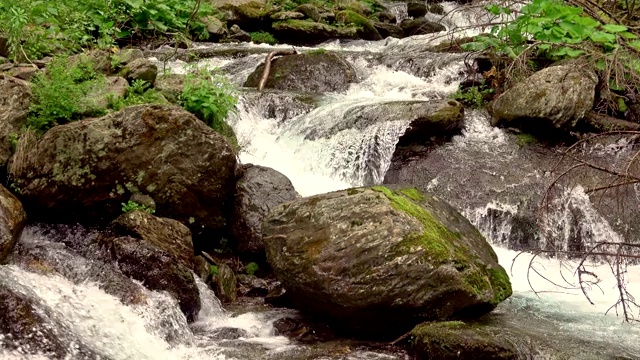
<point>500,284</point>
<point>435,238</point>
<point>413,194</point>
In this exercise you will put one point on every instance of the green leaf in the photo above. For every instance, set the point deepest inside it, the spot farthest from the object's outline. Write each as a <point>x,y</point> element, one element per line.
<point>628,35</point>
<point>635,44</point>
<point>602,37</point>
<point>613,28</point>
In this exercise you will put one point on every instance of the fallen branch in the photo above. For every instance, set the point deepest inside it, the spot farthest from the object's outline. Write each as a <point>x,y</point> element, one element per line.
<point>267,65</point>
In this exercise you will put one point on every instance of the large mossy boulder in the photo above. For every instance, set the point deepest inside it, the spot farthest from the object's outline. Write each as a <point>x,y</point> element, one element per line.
<point>84,171</point>
<point>302,32</point>
<point>555,98</point>
<point>376,262</point>
<point>12,220</point>
<point>245,13</point>
<point>258,191</point>
<point>156,269</point>
<point>309,72</point>
<point>169,235</point>
<point>452,340</point>
<point>15,98</point>
<point>366,30</point>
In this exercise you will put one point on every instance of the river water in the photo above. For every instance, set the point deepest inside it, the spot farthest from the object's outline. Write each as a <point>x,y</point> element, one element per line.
<point>299,135</point>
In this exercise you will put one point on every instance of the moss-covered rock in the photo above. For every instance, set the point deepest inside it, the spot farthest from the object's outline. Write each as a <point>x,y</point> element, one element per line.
<point>309,11</point>
<point>366,30</point>
<point>310,32</point>
<point>309,72</point>
<point>456,340</point>
<point>170,86</point>
<point>438,119</point>
<point>225,284</point>
<point>554,98</point>
<point>15,98</point>
<point>83,171</point>
<point>376,262</point>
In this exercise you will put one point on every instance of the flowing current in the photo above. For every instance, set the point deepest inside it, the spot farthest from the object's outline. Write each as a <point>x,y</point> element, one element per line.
<point>304,136</point>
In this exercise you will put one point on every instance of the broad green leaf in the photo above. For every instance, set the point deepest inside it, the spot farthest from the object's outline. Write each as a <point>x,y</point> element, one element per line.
<point>602,37</point>
<point>635,44</point>
<point>613,28</point>
<point>628,35</point>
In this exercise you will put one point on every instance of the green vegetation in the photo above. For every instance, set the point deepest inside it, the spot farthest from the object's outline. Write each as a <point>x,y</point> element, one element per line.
<point>38,27</point>
<point>211,97</point>
<point>59,95</point>
<point>251,268</point>
<point>526,139</point>
<point>263,37</point>
<point>500,284</point>
<point>474,96</point>
<point>134,206</point>
<point>213,270</point>
<point>137,93</point>
<point>604,36</point>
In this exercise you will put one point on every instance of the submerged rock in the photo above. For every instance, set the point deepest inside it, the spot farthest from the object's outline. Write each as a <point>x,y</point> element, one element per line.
<point>376,262</point>
<point>84,171</point>
<point>258,191</point>
<point>157,270</point>
<point>556,97</point>
<point>309,72</point>
<point>12,220</point>
<point>15,98</point>
<point>32,329</point>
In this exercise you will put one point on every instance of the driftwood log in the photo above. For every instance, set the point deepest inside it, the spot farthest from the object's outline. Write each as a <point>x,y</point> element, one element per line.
<point>267,65</point>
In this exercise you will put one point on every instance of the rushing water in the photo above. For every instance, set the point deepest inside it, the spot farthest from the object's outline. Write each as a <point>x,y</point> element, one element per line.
<point>304,137</point>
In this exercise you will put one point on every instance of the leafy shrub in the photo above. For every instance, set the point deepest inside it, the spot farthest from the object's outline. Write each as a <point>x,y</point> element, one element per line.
<point>211,97</point>
<point>59,93</point>
<point>251,268</point>
<point>137,93</point>
<point>260,37</point>
<point>38,27</point>
<point>554,30</point>
<point>133,206</point>
<point>473,96</point>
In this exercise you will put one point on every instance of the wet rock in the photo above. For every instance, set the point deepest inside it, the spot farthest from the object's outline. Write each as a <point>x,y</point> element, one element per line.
<point>83,171</point>
<point>258,191</point>
<point>12,220</point>
<point>166,234</point>
<point>29,327</point>
<point>278,297</point>
<point>303,330</point>
<point>23,72</point>
<point>287,15</point>
<point>126,56</point>
<point>171,86</point>
<point>246,13</point>
<point>420,27</point>
<point>456,340</point>
<point>237,34</point>
<point>385,30</point>
<point>201,267</point>
<point>366,30</point>
<point>225,284</point>
<point>227,333</point>
<point>310,33</point>
<point>437,9</point>
<point>386,17</point>
<point>309,72</point>
<point>252,286</point>
<point>157,270</point>
<point>434,119</point>
<point>375,262</point>
<point>144,200</point>
<point>553,98</point>
<point>309,11</point>
<point>216,28</point>
<point>416,9</point>
<point>141,69</point>
<point>15,98</point>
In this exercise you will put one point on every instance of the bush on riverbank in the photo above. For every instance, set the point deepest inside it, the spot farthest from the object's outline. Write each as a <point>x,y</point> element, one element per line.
<point>34,28</point>
<point>545,31</point>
